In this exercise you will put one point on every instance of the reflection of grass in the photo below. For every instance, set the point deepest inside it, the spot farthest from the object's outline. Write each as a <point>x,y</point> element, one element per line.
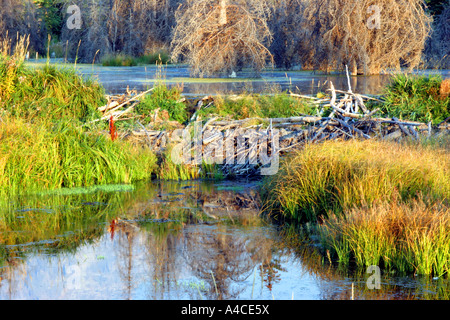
<point>315,262</point>
<point>55,223</point>
<point>87,190</point>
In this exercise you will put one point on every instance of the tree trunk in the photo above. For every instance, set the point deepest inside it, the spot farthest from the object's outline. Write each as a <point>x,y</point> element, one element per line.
<point>353,68</point>
<point>223,12</point>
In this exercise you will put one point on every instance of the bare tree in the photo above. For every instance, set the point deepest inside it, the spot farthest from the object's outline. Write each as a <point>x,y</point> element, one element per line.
<point>219,36</point>
<point>366,35</point>
<point>284,23</point>
<point>113,26</point>
<point>21,17</point>
<point>438,46</point>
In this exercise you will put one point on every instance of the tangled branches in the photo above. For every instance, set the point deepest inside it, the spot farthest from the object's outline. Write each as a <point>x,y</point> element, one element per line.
<point>341,33</point>
<point>112,26</point>
<point>438,48</point>
<point>222,36</point>
<point>21,18</point>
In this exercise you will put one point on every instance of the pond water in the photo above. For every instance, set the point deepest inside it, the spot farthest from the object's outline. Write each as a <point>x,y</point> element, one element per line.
<point>165,241</point>
<point>116,80</point>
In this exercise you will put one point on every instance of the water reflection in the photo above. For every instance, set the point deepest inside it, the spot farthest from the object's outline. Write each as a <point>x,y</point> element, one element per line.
<point>193,240</point>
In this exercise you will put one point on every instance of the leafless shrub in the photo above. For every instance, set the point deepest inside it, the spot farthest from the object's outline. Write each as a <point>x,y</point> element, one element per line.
<point>217,36</point>
<point>112,26</point>
<point>338,33</point>
<point>285,22</point>
<point>438,47</point>
<point>20,18</point>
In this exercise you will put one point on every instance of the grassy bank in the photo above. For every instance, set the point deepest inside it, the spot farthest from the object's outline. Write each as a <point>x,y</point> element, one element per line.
<point>43,143</point>
<point>49,93</point>
<point>44,156</point>
<point>360,192</point>
<point>123,60</point>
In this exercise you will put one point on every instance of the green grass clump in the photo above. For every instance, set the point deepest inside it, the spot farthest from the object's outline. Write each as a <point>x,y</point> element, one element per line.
<point>48,93</point>
<point>169,170</point>
<point>279,105</point>
<point>124,60</point>
<point>163,98</point>
<point>336,176</point>
<point>118,60</point>
<point>154,58</point>
<point>416,98</point>
<point>36,157</point>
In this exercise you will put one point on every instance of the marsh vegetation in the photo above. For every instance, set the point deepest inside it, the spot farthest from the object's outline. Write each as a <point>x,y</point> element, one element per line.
<point>70,161</point>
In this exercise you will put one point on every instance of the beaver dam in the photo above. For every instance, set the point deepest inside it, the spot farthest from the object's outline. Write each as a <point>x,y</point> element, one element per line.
<point>224,217</point>
<point>243,147</point>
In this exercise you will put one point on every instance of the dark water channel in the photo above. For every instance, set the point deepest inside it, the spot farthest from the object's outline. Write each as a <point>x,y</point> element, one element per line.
<point>193,240</point>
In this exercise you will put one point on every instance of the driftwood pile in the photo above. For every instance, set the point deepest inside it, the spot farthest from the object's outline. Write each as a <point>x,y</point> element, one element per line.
<point>120,107</point>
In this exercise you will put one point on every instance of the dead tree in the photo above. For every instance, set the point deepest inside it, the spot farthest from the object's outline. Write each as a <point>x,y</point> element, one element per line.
<point>221,36</point>
<point>438,47</point>
<point>22,18</point>
<point>284,23</point>
<point>112,26</point>
<point>366,35</point>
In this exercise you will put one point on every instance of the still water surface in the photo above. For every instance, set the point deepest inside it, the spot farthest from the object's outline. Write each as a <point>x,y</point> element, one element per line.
<point>117,80</point>
<point>160,240</point>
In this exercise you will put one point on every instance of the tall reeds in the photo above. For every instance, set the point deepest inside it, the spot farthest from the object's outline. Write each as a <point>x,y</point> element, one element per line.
<point>371,202</point>
<point>40,156</point>
<point>337,175</point>
<point>409,237</point>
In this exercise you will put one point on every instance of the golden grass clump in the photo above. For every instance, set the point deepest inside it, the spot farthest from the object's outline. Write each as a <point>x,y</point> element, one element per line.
<point>336,176</point>
<point>409,237</point>
<point>370,202</point>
